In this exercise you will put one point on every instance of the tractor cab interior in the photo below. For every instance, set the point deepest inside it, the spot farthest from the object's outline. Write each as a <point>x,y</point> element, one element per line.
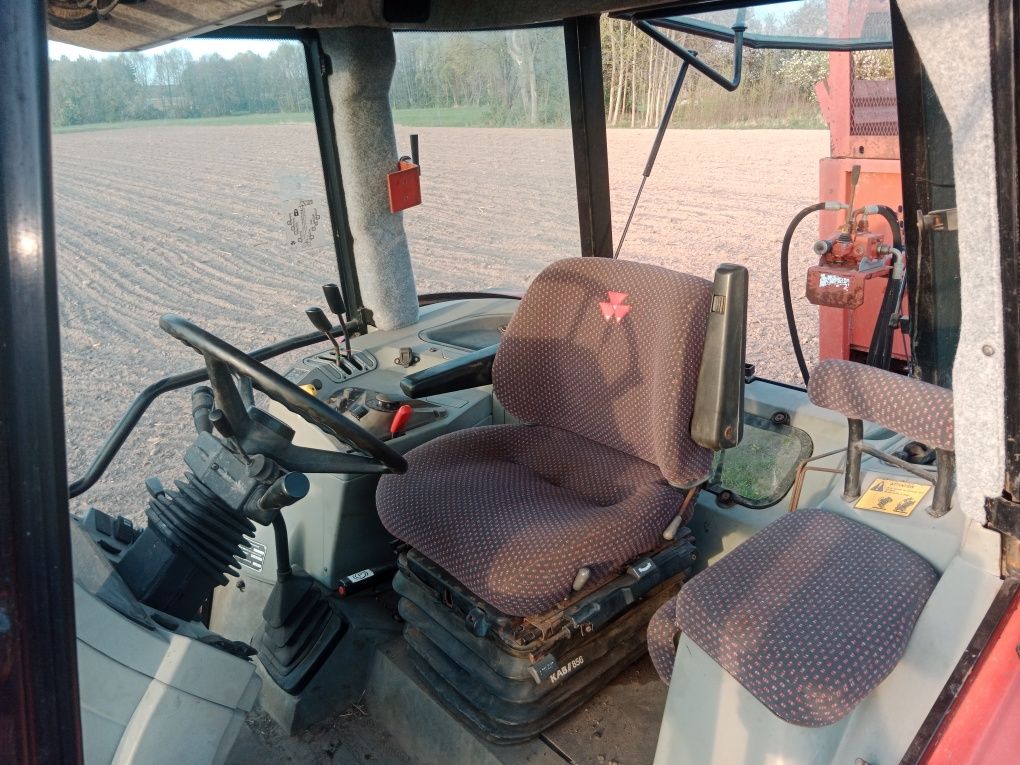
<point>569,522</point>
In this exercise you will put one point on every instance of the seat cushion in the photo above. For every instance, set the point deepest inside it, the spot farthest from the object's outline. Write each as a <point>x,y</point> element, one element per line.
<point>662,634</point>
<point>810,614</point>
<point>513,511</point>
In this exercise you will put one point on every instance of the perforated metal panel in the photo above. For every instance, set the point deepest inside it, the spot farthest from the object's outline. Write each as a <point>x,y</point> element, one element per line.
<point>872,101</point>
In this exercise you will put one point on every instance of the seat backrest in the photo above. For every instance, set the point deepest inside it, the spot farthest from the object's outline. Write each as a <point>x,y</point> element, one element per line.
<point>917,409</point>
<point>611,350</point>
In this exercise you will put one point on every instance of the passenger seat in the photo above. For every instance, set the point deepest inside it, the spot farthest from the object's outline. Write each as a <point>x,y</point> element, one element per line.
<point>814,611</point>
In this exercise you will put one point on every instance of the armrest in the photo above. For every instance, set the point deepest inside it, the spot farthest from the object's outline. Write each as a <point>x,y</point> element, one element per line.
<point>467,371</point>
<point>718,421</point>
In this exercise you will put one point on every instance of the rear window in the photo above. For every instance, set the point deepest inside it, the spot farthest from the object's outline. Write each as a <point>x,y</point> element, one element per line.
<point>761,469</point>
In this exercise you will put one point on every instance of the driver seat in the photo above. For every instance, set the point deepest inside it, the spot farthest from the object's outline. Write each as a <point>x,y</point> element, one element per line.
<point>535,548</point>
<point>602,360</point>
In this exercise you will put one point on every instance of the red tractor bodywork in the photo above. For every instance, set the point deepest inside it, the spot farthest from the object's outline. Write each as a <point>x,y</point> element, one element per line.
<point>981,727</point>
<point>863,130</point>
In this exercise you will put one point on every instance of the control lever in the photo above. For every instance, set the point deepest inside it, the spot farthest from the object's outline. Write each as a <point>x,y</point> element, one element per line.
<point>335,301</point>
<point>400,419</point>
<point>285,491</point>
<point>223,427</point>
<point>855,177</point>
<point>321,323</point>
<point>202,403</point>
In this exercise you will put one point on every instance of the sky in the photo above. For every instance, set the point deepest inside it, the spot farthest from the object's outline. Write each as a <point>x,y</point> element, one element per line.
<point>198,48</point>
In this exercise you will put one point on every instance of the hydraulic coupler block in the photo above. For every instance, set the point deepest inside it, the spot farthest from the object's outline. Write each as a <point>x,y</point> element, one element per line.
<point>843,269</point>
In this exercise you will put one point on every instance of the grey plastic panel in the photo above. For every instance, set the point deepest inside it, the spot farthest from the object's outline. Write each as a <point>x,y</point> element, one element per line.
<point>711,719</point>
<point>151,696</point>
<point>720,529</point>
<point>471,334</point>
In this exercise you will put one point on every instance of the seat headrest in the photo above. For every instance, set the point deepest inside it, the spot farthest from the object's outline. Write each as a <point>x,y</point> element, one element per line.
<point>611,350</point>
<point>917,409</point>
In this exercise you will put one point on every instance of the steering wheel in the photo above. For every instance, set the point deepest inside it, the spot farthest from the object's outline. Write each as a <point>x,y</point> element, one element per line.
<point>258,432</point>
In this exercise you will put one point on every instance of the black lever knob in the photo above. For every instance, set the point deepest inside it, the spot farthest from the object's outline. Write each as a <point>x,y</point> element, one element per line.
<point>285,491</point>
<point>221,423</point>
<point>319,319</point>
<point>202,403</point>
<point>334,299</point>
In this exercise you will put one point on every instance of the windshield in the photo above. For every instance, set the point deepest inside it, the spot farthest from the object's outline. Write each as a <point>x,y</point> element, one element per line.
<point>813,24</point>
<point>499,202</point>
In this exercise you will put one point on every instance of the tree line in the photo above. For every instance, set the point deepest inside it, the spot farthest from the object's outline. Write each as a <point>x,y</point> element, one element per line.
<point>513,78</point>
<point>777,87</point>
<point>174,84</point>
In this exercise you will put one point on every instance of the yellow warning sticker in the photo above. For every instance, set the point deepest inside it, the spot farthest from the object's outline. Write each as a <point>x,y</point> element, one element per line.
<point>893,497</point>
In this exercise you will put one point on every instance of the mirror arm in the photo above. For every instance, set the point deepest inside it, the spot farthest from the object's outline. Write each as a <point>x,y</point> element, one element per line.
<point>691,57</point>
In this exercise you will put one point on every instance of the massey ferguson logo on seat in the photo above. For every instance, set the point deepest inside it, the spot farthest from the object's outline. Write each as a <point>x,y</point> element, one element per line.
<point>614,308</point>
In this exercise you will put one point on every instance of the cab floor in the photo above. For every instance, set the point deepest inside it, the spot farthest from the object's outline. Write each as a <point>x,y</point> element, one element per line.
<point>619,726</point>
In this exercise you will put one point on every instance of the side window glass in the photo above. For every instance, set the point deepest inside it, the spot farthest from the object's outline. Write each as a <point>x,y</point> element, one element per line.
<point>187,180</point>
<point>734,168</point>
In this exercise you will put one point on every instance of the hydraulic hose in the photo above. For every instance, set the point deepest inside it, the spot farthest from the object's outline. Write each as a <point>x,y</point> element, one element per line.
<point>894,224</point>
<point>784,271</point>
<point>880,348</point>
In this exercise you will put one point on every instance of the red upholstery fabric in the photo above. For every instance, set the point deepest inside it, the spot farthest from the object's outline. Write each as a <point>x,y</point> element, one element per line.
<point>809,614</point>
<point>627,381</point>
<point>602,357</point>
<point>916,409</point>
<point>513,511</point>
<point>662,636</point>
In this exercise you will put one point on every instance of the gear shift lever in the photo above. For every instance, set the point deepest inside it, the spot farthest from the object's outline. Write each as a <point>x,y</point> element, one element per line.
<point>335,301</point>
<point>321,323</point>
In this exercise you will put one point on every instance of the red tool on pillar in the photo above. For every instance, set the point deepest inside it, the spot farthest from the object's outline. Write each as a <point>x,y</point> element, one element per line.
<point>404,185</point>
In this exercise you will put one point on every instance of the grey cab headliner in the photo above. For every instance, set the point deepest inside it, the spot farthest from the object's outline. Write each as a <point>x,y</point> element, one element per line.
<point>139,25</point>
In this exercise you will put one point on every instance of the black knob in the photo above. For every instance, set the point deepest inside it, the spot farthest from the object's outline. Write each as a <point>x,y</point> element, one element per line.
<point>334,299</point>
<point>202,403</point>
<point>318,318</point>
<point>221,423</point>
<point>286,490</point>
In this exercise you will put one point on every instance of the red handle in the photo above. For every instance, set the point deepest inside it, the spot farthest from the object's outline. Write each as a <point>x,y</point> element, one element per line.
<point>400,419</point>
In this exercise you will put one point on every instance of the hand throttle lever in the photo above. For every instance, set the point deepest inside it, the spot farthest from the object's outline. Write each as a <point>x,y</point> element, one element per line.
<point>400,420</point>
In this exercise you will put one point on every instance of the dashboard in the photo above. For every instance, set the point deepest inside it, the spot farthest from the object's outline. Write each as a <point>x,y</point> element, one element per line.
<point>334,531</point>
